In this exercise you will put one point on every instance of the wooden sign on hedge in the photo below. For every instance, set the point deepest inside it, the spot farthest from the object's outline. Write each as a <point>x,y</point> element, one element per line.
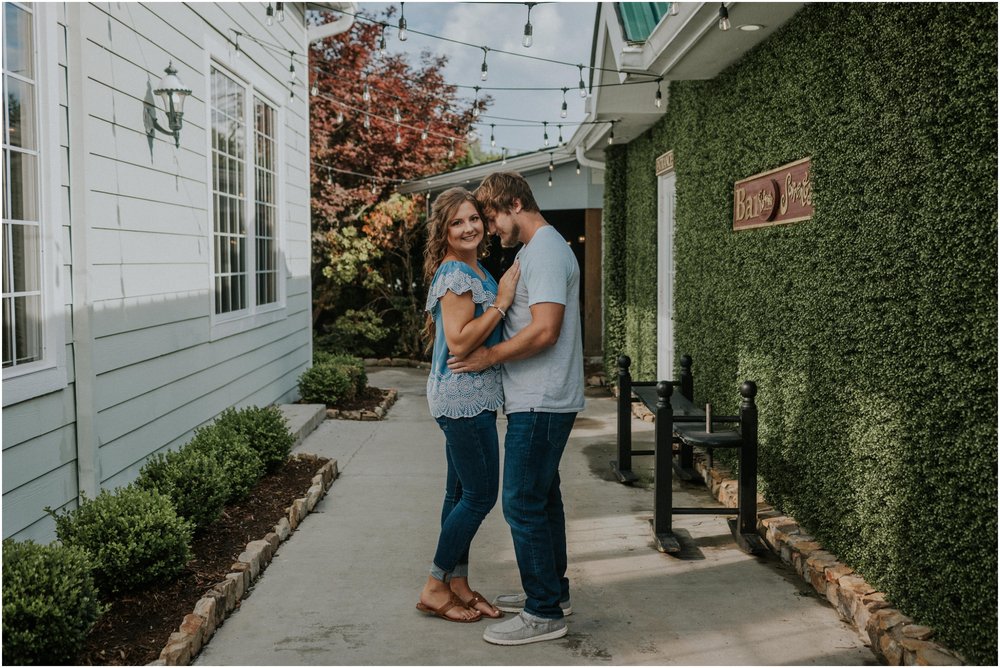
<point>776,197</point>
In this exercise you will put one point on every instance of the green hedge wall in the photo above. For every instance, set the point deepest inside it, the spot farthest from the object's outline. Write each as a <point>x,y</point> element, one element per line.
<point>871,329</point>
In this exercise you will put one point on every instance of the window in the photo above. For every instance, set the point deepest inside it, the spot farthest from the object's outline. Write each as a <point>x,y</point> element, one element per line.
<point>33,355</point>
<point>22,256</point>
<point>245,238</point>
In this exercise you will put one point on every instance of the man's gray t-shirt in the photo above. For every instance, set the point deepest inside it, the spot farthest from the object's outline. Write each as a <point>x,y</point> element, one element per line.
<point>552,380</point>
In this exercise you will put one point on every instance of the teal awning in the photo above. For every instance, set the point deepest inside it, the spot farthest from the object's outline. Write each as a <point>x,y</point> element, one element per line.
<point>639,18</point>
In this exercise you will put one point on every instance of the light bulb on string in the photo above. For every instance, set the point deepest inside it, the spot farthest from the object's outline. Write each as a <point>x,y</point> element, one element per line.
<point>314,91</point>
<point>528,40</point>
<point>475,103</point>
<point>423,133</point>
<point>561,140</point>
<point>503,155</point>
<point>373,187</point>
<point>340,117</point>
<point>366,94</point>
<point>451,149</point>
<point>396,116</point>
<point>578,168</point>
<point>367,122</point>
<point>269,12</point>
<point>280,11</point>
<point>582,86</point>
<point>545,137</point>
<point>239,53</point>
<point>380,52</point>
<point>552,165</point>
<point>550,180</point>
<point>493,140</point>
<point>611,137</point>
<point>485,68</point>
<point>291,67</point>
<point>399,137</point>
<point>658,101</point>
<point>402,23</point>
<point>564,109</point>
<point>723,17</point>
<point>329,177</point>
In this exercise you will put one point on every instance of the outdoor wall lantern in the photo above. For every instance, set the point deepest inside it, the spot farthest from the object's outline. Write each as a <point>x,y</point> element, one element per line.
<point>173,92</point>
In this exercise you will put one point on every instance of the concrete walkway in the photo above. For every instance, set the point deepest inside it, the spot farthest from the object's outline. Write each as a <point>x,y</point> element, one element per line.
<point>342,590</point>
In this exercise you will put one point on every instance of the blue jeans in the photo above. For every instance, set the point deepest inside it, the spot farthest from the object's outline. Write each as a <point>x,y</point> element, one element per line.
<point>473,453</point>
<point>532,506</point>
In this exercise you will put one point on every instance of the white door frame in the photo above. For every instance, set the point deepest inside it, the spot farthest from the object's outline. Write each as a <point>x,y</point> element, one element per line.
<point>666,198</point>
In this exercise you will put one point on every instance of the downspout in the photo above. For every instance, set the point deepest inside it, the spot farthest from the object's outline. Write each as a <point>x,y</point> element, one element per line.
<point>343,24</point>
<point>587,162</point>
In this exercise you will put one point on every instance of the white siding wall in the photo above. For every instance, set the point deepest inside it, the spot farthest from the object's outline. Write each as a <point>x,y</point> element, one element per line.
<point>157,369</point>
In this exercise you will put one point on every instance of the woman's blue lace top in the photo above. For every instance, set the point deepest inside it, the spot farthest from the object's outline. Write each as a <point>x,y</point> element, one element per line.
<point>461,394</point>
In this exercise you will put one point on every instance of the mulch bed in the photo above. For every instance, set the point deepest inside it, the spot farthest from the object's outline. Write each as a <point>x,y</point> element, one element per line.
<point>137,625</point>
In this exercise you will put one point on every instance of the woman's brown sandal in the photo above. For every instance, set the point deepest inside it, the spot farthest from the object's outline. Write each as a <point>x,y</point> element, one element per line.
<point>441,612</point>
<point>478,598</point>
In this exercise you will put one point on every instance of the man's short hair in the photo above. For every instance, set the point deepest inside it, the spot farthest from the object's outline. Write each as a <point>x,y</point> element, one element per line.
<point>498,191</point>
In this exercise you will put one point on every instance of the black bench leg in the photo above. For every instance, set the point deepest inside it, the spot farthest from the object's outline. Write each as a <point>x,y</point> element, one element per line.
<point>663,490</point>
<point>745,526</point>
<point>684,467</point>
<point>622,467</point>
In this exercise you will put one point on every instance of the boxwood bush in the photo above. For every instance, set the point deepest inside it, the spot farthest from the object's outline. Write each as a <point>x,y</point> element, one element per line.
<point>134,537</point>
<point>50,602</point>
<point>871,329</point>
<point>241,464</point>
<point>193,479</point>
<point>266,432</point>
<point>326,384</point>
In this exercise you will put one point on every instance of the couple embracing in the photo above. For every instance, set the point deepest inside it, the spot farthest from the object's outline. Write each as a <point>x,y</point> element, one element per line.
<point>515,345</point>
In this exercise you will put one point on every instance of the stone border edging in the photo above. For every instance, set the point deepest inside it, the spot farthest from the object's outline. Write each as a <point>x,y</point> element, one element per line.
<point>211,610</point>
<point>396,361</point>
<point>377,414</point>
<point>892,636</point>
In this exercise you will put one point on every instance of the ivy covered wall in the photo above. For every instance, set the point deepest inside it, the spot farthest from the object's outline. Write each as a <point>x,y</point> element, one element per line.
<point>871,329</point>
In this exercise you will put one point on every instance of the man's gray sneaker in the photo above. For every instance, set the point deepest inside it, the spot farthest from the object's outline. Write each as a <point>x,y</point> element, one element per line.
<point>523,629</point>
<point>515,603</point>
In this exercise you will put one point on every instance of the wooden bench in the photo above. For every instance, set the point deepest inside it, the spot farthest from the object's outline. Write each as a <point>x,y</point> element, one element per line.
<point>677,419</point>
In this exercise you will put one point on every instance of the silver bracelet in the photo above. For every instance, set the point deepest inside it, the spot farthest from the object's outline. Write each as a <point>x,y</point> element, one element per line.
<point>503,315</point>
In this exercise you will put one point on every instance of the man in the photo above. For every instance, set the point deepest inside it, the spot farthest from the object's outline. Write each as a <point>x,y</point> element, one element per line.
<point>542,357</point>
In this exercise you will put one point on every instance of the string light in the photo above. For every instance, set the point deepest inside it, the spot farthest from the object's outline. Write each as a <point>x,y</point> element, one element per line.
<point>366,94</point>
<point>402,23</point>
<point>582,86</point>
<point>545,138</point>
<point>565,109</point>
<point>340,117</point>
<point>527,40</point>
<point>475,104</point>
<point>658,101</point>
<point>485,68</point>
<point>552,165</point>
<point>578,168</point>
<point>291,67</point>
<point>423,133</point>
<point>399,137</point>
<point>611,137</point>
<point>723,17</point>
<point>280,11</point>
<point>561,140</point>
<point>493,141</point>
<point>381,43</point>
<point>314,91</point>
<point>367,122</point>
<point>396,115</point>
<point>550,180</point>
<point>270,14</point>
<point>451,150</point>
<point>236,41</point>
<point>503,155</point>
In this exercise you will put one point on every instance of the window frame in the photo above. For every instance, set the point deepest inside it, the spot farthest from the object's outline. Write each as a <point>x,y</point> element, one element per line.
<point>254,315</point>
<point>48,374</point>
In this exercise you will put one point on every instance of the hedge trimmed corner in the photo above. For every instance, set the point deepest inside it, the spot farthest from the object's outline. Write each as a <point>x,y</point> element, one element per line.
<point>871,329</point>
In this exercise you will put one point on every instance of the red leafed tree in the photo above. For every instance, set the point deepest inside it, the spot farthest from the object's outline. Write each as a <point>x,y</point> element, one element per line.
<point>359,153</point>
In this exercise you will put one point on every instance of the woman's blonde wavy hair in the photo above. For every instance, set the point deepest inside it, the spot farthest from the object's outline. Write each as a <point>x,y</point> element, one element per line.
<point>443,211</point>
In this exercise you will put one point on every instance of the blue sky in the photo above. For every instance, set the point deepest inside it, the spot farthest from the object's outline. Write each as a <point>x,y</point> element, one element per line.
<point>563,31</point>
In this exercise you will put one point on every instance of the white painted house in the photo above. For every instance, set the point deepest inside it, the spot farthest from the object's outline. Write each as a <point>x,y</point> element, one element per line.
<point>148,284</point>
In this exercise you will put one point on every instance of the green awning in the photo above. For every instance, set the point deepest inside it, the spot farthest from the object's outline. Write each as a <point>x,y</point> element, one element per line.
<point>639,18</point>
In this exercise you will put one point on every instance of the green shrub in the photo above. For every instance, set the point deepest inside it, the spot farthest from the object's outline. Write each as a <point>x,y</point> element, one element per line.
<point>325,384</point>
<point>356,330</point>
<point>50,602</point>
<point>193,479</point>
<point>242,466</point>
<point>134,537</point>
<point>266,431</point>
<point>353,366</point>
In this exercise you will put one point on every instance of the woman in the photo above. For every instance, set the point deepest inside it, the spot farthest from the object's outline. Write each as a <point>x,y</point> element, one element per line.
<point>466,309</point>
